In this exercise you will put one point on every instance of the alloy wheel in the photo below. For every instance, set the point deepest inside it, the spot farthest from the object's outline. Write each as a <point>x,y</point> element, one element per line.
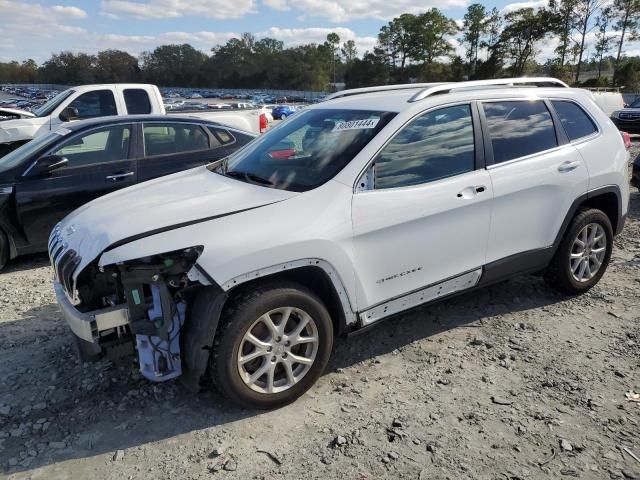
<point>587,252</point>
<point>278,350</point>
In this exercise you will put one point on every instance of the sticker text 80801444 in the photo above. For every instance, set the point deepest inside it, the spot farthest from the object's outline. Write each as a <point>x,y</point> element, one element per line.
<point>356,125</point>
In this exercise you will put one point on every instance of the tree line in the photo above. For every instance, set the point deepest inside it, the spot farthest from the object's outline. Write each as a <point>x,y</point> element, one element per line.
<point>591,39</point>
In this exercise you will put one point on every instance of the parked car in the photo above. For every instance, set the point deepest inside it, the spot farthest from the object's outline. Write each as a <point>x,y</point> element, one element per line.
<point>93,101</point>
<point>628,119</point>
<point>49,177</point>
<point>280,112</point>
<point>635,175</point>
<point>354,210</point>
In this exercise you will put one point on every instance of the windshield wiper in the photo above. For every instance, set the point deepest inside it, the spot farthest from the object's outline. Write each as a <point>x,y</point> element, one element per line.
<point>250,176</point>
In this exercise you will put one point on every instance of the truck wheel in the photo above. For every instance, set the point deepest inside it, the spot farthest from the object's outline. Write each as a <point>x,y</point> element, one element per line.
<point>275,342</point>
<point>583,254</point>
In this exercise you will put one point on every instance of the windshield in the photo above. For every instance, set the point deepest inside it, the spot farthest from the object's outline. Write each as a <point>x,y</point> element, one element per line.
<point>51,105</point>
<point>635,103</point>
<point>307,150</point>
<point>20,154</point>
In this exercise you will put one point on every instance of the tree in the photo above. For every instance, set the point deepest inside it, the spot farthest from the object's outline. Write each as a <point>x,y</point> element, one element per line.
<point>564,20</point>
<point>368,71</point>
<point>349,51</point>
<point>333,39</point>
<point>474,26</point>
<point>585,10</point>
<point>628,15</point>
<point>173,65</point>
<point>68,68</point>
<point>433,30</point>
<point>524,28</point>
<point>603,39</point>
<point>116,66</point>
<point>397,41</point>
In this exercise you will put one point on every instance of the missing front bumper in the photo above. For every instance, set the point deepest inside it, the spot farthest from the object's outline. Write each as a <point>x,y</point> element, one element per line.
<point>88,326</point>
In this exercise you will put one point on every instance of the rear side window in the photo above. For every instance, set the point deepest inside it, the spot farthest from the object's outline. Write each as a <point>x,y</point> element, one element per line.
<point>519,128</point>
<point>222,135</point>
<point>167,138</point>
<point>137,101</point>
<point>575,121</point>
<point>438,144</point>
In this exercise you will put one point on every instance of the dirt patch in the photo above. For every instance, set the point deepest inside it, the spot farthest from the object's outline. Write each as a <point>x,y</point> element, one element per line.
<point>511,382</point>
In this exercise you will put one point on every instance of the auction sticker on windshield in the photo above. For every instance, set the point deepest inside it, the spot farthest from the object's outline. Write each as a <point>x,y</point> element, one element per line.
<point>356,125</point>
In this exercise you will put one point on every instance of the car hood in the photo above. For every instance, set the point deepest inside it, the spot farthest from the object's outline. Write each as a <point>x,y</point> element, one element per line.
<point>192,196</point>
<point>16,111</point>
<point>21,128</point>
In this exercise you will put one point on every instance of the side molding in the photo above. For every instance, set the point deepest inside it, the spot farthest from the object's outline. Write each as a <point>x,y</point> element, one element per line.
<point>336,281</point>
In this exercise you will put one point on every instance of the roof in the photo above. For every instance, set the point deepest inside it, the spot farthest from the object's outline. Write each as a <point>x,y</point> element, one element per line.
<point>117,119</point>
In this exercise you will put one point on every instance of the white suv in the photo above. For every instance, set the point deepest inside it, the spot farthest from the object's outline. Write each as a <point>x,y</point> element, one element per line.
<point>357,208</point>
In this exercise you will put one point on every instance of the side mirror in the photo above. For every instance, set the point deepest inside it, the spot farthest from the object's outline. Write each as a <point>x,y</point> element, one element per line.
<point>626,105</point>
<point>49,164</point>
<point>68,114</point>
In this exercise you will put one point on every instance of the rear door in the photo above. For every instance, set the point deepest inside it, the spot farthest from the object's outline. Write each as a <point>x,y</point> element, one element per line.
<point>171,147</point>
<point>100,162</point>
<point>536,175</point>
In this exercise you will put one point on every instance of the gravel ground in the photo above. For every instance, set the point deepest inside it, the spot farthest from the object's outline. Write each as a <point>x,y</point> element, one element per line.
<point>512,382</point>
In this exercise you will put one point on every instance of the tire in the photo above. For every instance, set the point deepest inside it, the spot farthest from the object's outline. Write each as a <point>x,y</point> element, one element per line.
<point>4,250</point>
<point>283,116</point>
<point>246,313</point>
<point>575,275</point>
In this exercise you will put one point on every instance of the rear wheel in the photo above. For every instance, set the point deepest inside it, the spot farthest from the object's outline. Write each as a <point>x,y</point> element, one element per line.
<point>583,254</point>
<point>275,343</point>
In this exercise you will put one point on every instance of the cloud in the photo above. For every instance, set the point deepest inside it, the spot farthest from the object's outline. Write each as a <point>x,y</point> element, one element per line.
<point>156,9</point>
<point>339,11</point>
<point>298,36</point>
<point>35,27</point>
<point>73,12</point>
<point>512,7</point>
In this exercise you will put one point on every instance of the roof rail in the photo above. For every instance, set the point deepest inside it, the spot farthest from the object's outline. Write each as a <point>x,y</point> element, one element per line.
<point>474,84</point>
<point>381,88</point>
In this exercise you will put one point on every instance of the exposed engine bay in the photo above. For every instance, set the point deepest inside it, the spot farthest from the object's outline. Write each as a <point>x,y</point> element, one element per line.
<point>148,298</point>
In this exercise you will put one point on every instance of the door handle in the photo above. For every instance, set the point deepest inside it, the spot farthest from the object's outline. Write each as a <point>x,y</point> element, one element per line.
<point>568,166</point>
<point>471,192</point>
<point>118,176</point>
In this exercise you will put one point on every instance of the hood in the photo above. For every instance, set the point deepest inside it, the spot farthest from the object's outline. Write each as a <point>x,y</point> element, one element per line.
<point>192,196</point>
<point>13,112</point>
<point>26,128</point>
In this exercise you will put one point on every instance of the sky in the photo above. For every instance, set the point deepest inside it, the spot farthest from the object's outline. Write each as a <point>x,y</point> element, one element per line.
<point>36,29</point>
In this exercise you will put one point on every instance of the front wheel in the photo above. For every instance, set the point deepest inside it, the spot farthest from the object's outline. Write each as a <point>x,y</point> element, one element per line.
<point>274,344</point>
<point>583,254</point>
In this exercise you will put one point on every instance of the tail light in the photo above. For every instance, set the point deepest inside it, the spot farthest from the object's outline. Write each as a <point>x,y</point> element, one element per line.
<point>264,125</point>
<point>626,138</point>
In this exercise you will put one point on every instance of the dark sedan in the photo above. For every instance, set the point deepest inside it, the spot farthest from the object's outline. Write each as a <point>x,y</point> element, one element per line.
<point>45,179</point>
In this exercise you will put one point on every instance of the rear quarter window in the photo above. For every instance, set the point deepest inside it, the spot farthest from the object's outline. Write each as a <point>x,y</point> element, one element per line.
<point>575,121</point>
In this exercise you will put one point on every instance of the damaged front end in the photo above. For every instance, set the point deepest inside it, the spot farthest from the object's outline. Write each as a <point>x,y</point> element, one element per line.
<point>138,305</point>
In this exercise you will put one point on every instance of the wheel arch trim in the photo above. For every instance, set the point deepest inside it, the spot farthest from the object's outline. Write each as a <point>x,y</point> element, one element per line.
<point>331,273</point>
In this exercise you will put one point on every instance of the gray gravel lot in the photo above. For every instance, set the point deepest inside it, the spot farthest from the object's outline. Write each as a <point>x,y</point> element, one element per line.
<point>512,382</point>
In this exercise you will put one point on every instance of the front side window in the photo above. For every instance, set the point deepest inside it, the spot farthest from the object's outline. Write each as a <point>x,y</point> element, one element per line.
<point>106,144</point>
<point>576,123</point>
<point>519,128</point>
<point>99,103</point>
<point>306,151</point>
<point>137,101</point>
<point>436,145</point>
<point>173,138</point>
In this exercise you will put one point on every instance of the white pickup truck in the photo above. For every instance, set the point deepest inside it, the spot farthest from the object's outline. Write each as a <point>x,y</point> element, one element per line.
<point>89,101</point>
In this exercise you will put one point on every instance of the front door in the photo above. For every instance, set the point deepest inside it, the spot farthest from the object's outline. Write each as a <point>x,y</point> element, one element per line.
<point>427,217</point>
<point>98,163</point>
